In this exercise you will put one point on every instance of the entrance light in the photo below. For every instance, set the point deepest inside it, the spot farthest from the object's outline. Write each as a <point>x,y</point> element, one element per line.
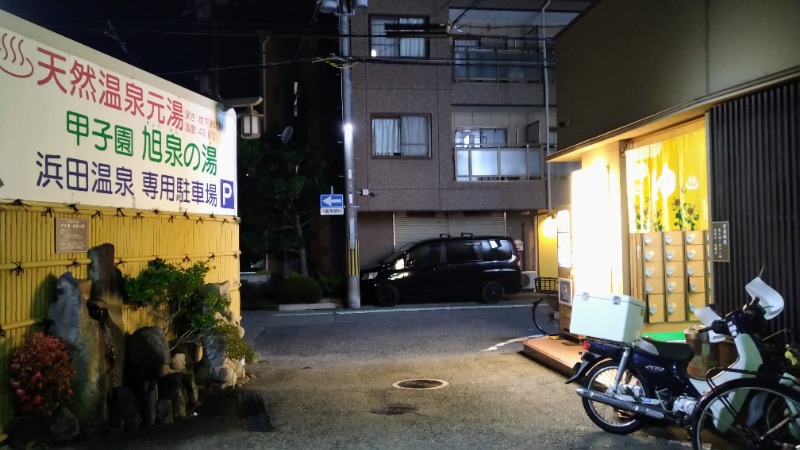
<point>250,119</point>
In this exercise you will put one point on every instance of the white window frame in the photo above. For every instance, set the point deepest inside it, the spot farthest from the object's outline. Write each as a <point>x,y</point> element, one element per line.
<point>397,141</point>
<point>382,46</point>
<point>483,135</point>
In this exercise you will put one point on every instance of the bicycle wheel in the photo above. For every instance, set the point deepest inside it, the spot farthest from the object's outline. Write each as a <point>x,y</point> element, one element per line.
<point>747,413</point>
<point>545,315</point>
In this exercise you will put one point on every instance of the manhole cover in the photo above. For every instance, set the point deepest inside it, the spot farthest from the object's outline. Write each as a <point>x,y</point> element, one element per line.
<point>421,384</point>
<point>393,410</point>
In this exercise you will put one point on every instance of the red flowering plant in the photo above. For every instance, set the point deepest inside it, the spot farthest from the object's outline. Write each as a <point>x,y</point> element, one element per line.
<point>41,375</point>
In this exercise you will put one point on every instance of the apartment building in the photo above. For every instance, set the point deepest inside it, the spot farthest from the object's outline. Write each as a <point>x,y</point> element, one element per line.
<point>454,109</point>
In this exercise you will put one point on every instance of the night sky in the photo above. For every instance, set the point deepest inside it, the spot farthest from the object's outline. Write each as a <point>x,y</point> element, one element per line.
<point>177,41</point>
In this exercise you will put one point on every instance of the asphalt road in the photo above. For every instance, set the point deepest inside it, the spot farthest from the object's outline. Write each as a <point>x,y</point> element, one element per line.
<point>327,379</point>
<point>328,383</point>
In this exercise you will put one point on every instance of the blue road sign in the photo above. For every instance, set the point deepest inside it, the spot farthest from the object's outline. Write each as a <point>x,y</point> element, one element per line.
<point>331,201</point>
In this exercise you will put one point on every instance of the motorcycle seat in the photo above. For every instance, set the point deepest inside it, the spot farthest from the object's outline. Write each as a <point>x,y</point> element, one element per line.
<point>672,350</point>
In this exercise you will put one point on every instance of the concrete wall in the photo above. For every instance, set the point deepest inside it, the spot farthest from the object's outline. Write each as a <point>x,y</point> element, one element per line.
<point>625,60</point>
<point>376,235</point>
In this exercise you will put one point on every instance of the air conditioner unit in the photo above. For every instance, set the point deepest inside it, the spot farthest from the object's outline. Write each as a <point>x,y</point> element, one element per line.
<point>529,279</point>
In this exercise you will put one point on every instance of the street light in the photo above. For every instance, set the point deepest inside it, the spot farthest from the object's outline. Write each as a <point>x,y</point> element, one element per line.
<point>344,9</point>
<point>249,120</point>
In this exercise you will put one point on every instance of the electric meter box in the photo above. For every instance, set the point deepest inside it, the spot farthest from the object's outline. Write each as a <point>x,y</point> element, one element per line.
<point>609,317</point>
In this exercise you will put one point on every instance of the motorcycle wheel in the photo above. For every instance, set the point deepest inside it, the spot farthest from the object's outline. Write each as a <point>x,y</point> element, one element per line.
<point>610,419</point>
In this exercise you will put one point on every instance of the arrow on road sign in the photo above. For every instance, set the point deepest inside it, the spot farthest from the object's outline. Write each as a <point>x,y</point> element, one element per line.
<point>331,200</point>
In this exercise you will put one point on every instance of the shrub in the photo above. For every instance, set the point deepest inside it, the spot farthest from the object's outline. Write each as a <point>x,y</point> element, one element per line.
<point>332,285</point>
<point>253,292</point>
<point>298,289</point>
<point>41,375</point>
<point>174,294</point>
<point>234,345</point>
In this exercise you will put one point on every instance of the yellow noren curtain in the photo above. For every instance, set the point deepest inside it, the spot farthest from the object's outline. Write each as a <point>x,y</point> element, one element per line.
<point>667,184</point>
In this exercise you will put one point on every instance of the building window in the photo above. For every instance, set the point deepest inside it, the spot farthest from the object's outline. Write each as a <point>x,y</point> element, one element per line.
<point>477,137</point>
<point>495,59</point>
<point>482,154</point>
<point>384,46</point>
<point>407,135</point>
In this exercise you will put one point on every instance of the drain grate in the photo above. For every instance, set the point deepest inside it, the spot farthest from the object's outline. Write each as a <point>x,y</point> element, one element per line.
<point>254,412</point>
<point>394,410</point>
<point>421,384</point>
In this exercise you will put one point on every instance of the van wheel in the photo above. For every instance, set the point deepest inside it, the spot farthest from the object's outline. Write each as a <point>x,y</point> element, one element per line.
<point>493,292</point>
<point>387,295</point>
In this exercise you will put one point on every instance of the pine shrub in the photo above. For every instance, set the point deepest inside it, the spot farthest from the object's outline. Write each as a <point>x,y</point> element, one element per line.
<point>298,289</point>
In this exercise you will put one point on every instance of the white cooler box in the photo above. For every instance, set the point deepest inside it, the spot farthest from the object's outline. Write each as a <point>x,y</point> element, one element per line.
<point>610,317</point>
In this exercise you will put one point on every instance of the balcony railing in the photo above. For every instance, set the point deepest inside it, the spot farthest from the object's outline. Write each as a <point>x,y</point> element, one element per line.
<point>492,64</point>
<point>502,163</point>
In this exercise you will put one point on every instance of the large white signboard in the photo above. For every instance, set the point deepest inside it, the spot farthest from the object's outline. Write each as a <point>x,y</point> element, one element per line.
<point>79,127</point>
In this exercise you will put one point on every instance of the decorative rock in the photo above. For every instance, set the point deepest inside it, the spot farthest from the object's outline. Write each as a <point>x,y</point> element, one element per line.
<point>147,355</point>
<point>71,322</point>
<point>164,412</point>
<point>192,394</point>
<point>149,398</point>
<point>126,408</point>
<point>107,286</point>
<point>170,387</point>
<point>147,346</point>
<point>220,367</point>
<point>68,310</point>
<point>202,372</point>
<point>26,431</point>
<point>192,352</point>
<point>63,426</point>
<point>178,362</point>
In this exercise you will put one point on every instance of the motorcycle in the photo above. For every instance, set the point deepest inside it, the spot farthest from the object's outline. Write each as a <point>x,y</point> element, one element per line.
<point>626,385</point>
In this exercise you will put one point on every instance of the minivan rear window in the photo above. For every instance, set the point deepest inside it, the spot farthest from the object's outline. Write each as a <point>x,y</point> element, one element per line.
<point>496,249</point>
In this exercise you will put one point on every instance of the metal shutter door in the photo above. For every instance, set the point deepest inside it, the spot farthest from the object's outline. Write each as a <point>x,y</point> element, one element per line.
<point>489,224</point>
<point>417,227</point>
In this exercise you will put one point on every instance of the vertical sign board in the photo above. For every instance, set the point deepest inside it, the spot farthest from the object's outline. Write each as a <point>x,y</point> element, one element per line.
<point>77,126</point>
<point>720,246</point>
<point>565,291</point>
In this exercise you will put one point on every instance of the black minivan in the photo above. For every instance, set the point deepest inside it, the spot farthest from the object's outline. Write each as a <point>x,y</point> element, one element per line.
<point>486,267</point>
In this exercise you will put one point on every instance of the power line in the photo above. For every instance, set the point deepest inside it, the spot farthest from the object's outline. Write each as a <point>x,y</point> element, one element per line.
<point>339,63</point>
<point>278,33</point>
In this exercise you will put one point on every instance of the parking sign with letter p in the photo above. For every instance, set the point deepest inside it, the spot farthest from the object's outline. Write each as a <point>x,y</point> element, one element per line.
<point>227,194</point>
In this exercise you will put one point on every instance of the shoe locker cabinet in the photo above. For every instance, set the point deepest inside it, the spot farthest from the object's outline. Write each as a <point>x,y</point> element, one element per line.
<point>672,274</point>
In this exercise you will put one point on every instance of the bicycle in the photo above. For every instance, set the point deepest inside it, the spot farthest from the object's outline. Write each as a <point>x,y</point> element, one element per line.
<point>758,412</point>
<point>545,315</point>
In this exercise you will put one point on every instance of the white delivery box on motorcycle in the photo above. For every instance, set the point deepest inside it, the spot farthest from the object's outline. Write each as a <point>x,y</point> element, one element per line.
<point>610,317</point>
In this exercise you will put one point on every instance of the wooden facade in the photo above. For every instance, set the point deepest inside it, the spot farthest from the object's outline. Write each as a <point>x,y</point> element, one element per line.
<point>753,164</point>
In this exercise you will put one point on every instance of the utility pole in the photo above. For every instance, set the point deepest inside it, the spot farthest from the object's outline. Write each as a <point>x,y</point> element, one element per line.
<point>344,9</point>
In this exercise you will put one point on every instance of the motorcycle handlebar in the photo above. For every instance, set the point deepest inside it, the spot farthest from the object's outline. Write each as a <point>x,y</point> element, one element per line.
<point>718,326</point>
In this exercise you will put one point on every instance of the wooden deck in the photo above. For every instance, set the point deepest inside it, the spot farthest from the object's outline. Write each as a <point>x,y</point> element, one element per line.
<point>556,353</point>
